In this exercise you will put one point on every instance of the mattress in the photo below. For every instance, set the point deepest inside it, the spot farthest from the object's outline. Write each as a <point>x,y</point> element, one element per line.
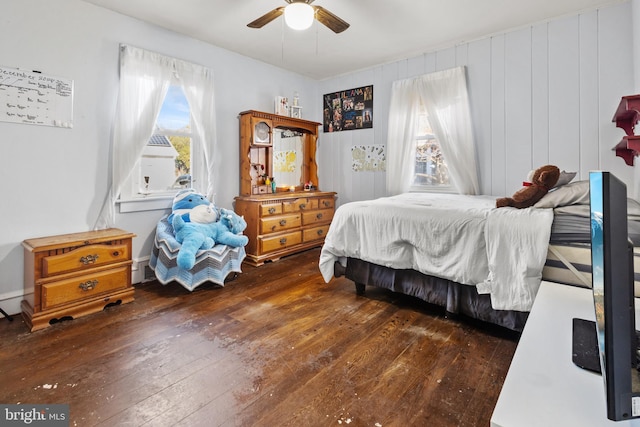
<point>570,263</point>
<point>569,254</point>
<point>571,224</point>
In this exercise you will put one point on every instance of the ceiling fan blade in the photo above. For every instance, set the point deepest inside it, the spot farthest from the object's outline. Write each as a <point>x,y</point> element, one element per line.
<point>266,18</point>
<point>330,20</point>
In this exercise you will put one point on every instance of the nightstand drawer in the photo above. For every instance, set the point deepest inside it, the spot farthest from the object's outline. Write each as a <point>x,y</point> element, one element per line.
<point>85,286</point>
<point>282,241</point>
<point>83,258</point>
<point>319,216</point>
<point>280,223</point>
<point>315,233</point>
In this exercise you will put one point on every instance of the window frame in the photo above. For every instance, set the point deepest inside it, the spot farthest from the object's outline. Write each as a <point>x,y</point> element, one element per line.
<point>132,198</point>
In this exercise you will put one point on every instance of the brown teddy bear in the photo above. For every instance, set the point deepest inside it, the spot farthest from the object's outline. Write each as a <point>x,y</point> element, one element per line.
<point>543,180</point>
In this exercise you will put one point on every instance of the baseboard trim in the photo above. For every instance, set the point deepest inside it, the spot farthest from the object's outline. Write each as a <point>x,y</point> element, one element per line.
<point>10,302</point>
<point>140,271</point>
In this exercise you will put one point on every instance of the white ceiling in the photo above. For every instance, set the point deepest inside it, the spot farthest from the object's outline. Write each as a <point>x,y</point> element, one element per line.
<point>381,31</point>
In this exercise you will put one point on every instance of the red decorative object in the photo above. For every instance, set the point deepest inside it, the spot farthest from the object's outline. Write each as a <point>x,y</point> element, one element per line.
<point>626,116</point>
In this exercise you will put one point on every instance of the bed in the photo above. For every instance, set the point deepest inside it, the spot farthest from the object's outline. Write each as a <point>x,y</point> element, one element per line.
<point>462,253</point>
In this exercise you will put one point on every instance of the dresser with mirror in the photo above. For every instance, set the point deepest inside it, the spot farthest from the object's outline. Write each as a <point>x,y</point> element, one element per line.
<point>280,195</point>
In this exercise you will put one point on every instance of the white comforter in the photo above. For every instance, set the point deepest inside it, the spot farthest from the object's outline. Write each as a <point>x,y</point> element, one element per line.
<point>460,238</point>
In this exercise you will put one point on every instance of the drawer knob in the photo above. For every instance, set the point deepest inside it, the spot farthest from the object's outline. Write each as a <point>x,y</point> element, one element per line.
<point>326,204</point>
<point>283,222</point>
<point>303,205</point>
<point>89,259</point>
<point>320,232</point>
<point>319,216</point>
<point>283,241</point>
<point>88,285</point>
<point>272,210</point>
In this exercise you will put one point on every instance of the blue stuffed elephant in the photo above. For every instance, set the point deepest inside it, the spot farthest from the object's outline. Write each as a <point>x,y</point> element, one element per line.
<point>195,236</point>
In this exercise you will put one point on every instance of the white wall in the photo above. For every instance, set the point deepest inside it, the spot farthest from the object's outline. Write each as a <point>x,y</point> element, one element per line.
<point>540,94</point>
<point>54,180</point>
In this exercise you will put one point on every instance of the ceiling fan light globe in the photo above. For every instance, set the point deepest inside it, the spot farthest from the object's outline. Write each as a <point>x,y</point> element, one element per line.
<point>298,16</point>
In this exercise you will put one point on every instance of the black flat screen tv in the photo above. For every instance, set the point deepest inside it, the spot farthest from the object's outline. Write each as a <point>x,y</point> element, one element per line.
<point>610,344</point>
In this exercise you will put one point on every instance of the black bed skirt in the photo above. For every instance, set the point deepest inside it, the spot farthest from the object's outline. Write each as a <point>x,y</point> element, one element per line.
<point>456,298</point>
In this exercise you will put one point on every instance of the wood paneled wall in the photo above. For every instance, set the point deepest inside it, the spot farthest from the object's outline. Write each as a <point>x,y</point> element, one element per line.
<point>541,94</point>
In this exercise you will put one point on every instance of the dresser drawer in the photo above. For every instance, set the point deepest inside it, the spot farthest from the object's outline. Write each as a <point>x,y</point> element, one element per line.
<point>317,217</point>
<point>281,241</point>
<point>84,286</point>
<point>271,209</point>
<point>83,258</point>
<point>280,223</point>
<point>315,233</point>
<point>326,202</point>
<point>301,204</point>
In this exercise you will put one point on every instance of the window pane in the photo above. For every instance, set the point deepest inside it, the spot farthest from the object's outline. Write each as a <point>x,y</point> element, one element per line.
<point>182,173</point>
<point>430,168</point>
<point>166,160</point>
<point>175,112</point>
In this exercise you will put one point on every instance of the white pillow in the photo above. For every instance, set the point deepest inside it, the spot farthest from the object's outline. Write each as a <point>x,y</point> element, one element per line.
<point>576,193</point>
<point>565,178</point>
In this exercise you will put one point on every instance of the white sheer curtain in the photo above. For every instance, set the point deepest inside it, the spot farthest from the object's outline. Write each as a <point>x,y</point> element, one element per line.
<point>145,78</point>
<point>197,84</point>
<point>403,114</point>
<point>444,95</point>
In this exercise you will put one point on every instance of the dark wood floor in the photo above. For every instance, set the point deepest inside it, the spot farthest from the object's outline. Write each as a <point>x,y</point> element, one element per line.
<point>275,347</point>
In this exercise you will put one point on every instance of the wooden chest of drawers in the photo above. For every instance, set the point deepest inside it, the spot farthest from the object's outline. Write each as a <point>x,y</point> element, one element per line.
<point>73,275</point>
<point>284,223</point>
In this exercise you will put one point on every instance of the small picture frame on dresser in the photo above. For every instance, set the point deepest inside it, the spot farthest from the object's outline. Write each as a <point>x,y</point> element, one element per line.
<point>282,106</point>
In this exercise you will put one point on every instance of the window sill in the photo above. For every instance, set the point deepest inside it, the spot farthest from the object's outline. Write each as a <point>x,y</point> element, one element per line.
<point>149,203</point>
<point>431,189</point>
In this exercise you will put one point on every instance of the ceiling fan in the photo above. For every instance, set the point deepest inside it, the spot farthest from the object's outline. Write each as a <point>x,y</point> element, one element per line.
<point>303,7</point>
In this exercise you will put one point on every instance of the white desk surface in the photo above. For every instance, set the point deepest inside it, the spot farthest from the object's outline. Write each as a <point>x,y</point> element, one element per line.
<point>543,387</point>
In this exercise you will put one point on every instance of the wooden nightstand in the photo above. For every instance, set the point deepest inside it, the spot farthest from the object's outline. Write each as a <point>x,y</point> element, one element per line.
<point>76,274</point>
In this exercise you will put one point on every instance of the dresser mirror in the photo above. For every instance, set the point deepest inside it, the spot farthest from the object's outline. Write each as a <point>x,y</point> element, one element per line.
<point>278,147</point>
<point>287,155</point>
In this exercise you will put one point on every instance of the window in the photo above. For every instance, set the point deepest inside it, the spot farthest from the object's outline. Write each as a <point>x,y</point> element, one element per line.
<point>165,165</point>
<point>442,151</point>
<point>430,168</point>
<point>145,78</point>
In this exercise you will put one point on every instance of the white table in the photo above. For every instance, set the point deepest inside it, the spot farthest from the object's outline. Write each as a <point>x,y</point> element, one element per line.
<point>543,387</point>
